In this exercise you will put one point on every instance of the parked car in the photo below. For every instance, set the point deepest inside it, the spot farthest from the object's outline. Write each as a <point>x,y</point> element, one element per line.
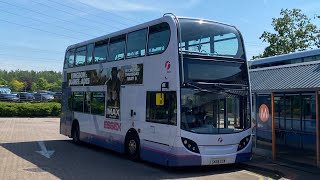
<point>9,97</point>
<point>43,97</point>
<point>57,96</point>
<point>26,96</point>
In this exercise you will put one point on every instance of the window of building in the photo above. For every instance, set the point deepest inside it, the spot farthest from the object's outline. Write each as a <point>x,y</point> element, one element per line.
<point>81,56</point>
<point>297,60</point>
<point>89,53</point>
<point>77,101</point>
<point>136,45</point>
<point>100,51</point>
<point>310,58</point>
<point>296,112</point>
<point>165,114</point>
<point>288,106</point>
<point>277,110</point>
<point>159,37</point>
<point>98,103</point>
<point>308,113</point>
<point>69,59</point>
<point>117,48</point>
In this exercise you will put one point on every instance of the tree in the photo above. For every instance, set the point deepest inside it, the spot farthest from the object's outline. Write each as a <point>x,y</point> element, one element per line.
<point>42,84</point>
<point>34,87</point>
<point>56,86</point>
<point>16,85</point>
<point>3,81</point>
<point>293,32</point>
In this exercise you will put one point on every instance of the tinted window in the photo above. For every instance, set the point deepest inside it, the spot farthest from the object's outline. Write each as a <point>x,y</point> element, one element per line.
<point>69,59</point>
<point>98,103</point>
<point>80,56</point>
<point>159,36</point>
<point>214,71</point>
<point>77,101</point>
<point>136,45</point>
<point>165,114</point>
<point>117,48</point>
<point>87,102</point>
<point>89,53</point>
<point>100,51</point>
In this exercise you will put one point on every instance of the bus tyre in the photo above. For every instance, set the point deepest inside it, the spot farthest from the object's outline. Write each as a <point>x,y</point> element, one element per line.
<point>76,134</point>
<point>133,148</point>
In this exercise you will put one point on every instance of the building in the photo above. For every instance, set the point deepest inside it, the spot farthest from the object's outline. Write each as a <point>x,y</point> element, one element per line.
<point>289,86</point>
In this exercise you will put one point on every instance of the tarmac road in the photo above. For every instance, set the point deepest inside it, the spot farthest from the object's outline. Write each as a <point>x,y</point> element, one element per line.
<point>22,140</point>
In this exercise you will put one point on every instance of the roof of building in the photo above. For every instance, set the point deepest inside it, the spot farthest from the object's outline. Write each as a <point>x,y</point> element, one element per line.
<point>300,76</point>
<point>284,57</point>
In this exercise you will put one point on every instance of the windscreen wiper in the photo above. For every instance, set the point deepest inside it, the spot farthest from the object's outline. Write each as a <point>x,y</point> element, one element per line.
<point>211,55</point>
<point>209,91</point>
<point>221,86</point>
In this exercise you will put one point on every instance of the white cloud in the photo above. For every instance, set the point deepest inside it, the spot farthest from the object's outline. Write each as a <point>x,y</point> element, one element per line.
<point>139,5</point>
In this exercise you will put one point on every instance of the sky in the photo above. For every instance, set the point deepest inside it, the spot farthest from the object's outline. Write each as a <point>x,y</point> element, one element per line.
<point>35,33</point>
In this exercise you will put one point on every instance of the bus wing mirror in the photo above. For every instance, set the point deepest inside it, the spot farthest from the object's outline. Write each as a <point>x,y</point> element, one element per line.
<point>159,99</point>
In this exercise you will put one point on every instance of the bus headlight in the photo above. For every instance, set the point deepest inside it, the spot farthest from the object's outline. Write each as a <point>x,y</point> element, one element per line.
<point>190,145</point>
<point>244,142</point>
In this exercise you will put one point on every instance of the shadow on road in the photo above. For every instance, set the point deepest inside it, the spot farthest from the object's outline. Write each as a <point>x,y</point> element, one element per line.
<point>70,161</point>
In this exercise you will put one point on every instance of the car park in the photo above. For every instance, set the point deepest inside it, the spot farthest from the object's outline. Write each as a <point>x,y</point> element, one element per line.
<point>26,96</point>
<point>43,97</point>
<point>9,97</point>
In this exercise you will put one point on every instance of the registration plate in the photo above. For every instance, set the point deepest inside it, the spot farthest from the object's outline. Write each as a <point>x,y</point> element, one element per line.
<point>217,161</point>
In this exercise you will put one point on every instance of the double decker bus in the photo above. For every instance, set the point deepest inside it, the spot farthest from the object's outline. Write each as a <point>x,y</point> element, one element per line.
<point>174,91</point>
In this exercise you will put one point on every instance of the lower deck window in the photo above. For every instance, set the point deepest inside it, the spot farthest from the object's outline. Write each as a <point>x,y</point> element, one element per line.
<point>98,103</point>
<point>88,102</point>
<point>77,103</point>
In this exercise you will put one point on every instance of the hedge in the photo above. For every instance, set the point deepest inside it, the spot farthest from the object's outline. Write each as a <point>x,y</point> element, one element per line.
<point>27,109</point>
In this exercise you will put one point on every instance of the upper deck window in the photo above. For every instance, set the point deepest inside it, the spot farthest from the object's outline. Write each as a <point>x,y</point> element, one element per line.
<point>159,37</point>
<point>117,48</point>
<point>100,51</point>
<point>136,45</point>
<point>81,56</point>
<point>210,38</point>
<point>69,59</point>
<point>89,57</point>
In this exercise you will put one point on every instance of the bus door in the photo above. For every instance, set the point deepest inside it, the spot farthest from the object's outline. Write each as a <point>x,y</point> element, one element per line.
<point>67,115</point>
<point>131,107</point>
<point>161,118</point>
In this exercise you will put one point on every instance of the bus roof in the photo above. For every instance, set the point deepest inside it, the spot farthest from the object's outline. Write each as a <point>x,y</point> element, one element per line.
<point>123,31</point>
<point>137,27</point>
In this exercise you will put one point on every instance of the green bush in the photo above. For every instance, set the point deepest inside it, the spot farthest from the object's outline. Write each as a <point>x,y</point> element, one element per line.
<point>27,109</point>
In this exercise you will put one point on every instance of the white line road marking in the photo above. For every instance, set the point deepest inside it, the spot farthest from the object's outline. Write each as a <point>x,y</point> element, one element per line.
<point>44,152</point>
<point>253,174</point>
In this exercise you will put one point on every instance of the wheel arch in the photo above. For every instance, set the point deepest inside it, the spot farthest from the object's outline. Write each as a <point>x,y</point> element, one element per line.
<point>131,132</point>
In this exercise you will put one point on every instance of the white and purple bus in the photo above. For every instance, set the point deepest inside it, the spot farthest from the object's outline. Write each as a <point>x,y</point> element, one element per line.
<point>174,91</point>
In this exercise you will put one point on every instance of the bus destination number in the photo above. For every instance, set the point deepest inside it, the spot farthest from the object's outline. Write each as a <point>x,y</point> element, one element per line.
<point>217,161</point>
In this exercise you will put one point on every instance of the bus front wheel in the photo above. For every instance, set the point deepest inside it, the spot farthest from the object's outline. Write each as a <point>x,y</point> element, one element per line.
<point>133,148</point>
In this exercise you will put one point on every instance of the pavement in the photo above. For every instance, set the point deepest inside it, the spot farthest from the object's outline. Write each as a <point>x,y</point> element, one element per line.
<point>283,167</point>
<point>32,148</point>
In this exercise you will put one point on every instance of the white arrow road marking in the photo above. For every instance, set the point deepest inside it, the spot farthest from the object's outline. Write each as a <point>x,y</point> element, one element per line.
<point>44,152</point>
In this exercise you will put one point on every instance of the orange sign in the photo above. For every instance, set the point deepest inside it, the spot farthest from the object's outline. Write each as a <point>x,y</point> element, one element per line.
<point>264,113</point>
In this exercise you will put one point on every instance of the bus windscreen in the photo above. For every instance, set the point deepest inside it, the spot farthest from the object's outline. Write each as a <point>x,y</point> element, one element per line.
<point>210,38</point>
